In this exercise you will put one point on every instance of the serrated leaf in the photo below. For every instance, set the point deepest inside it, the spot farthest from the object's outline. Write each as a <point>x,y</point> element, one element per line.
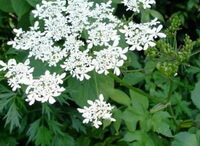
<point>196,95</point>
<point>185,139</point>
<point>46,109</point>
<point>77,125</point>
<point>13,116</point>
<point>55,127</point>
<point>43,136</point>
<point>159,123</point>
<point>32,130</point>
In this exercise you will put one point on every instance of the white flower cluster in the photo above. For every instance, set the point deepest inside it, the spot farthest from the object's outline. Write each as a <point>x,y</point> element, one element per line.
<point>43,89</point>
<point>17,74</point>
<point>83,36</point>
<point>134,5</point>
<point>80,36</point>
<point>97,111</point>
<point>141,36</point>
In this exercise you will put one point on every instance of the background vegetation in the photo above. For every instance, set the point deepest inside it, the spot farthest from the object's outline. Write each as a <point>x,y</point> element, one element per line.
<point>157,97</point>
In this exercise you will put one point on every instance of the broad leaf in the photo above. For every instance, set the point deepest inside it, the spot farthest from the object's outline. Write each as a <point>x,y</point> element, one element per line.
<point>143,100</point>
<point>119,96</point>
<point>196,95</point>
<point>134,78</point>
<point>34,2</point>
<point>20,7</point>
<point>6,6</point>
<point>185,139</point>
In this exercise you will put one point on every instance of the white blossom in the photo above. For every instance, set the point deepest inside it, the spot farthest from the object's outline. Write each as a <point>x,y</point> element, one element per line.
<point>79,64</point>
<point>45,88</point>
<point>134,5</point>
<point>97,111</point>
<point>84,36</point>
<point>111,58</point>
<point>141,36</point>
<point>17,74</point>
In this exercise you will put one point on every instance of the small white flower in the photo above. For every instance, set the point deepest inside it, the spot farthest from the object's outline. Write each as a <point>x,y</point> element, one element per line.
<point>17,74</point>
<point>134,5</point>
<point>97,111</point>
<point>141,36</point>
<point>45,88</point>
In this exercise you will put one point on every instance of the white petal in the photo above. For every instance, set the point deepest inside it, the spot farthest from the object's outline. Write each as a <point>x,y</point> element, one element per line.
<point>52,100</point>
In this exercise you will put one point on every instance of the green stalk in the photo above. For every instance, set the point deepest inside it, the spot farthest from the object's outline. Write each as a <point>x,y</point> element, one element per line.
<point>170,106</point>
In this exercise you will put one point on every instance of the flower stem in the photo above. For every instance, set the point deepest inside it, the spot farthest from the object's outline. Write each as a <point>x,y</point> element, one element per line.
<point>129,86</point>
<point>170,106</point>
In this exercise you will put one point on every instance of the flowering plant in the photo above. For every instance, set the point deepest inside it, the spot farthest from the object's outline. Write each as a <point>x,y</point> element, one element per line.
<point>81,52</point>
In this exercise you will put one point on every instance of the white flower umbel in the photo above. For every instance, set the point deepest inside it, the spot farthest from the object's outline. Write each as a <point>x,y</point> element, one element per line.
<point>111,58</point>
<point>79,64</point>
<point>45,88</point>
<point>17,74</point>
<point>142,36</point>
<point>84,36</point>
<point>97,111</point>
<point>134,5</point>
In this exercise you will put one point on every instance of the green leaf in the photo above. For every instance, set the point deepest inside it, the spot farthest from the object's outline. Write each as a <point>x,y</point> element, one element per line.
<point>13,116</point>
<point>20,7</point>
<point>43,136</point>
<point>119,96</point>
<point>83,141</point>
<point>133,60</point>
<point>149,67</point>
<point>156,14</point>
<point>32,130</point>
<point>185,139</point>
<point>133,114</point>
<point>159,123</point>
<point>196,95</point>
<point>117,1</point>
<point>130,119</point>
<point>138,138</point>
<point>145,16</point>
<point>34,2</point>
<point>65,140</point>
<point>81,91</point>
<point>143,100</point>
<point>77,124</point>
<point>46,109</point>
<point>134,78</point>
<point>118,117</point>
<point>55,127</point>
<point>6,6</point>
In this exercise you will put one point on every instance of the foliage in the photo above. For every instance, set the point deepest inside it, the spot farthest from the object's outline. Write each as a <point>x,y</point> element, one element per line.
<point>156,98</point>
